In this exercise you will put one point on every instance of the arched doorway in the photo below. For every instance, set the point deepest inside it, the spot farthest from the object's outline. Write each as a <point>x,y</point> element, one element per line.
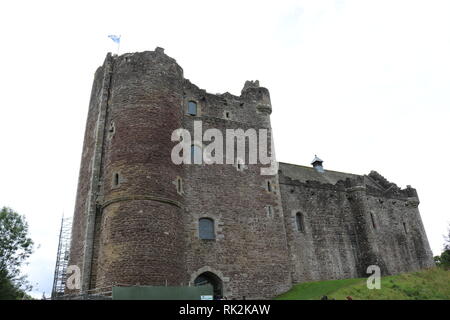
<point>212,279</point>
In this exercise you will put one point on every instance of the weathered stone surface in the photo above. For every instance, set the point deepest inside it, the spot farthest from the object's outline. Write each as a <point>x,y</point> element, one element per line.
<point>340,240</point>
<point>132,226</point>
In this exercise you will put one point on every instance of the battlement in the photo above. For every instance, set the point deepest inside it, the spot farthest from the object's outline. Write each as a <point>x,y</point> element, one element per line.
<point>390,189</point>
<point>251,96</point>
<point>338,181</point>
<point>158,62</point>
<point>148,62</point>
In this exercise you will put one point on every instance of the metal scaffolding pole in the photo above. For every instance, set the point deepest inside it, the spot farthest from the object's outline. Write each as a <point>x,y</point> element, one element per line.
<point>62,258</point>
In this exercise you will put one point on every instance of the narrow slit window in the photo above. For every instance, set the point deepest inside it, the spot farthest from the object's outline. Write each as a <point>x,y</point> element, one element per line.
<point>192,108</point>
<point>404,227</point>
<point>269,211</point>
<point>116,179</point>
<point>179,185</point>
<point>300,222</point>
<point>373,221</point>
<point>269,186</point>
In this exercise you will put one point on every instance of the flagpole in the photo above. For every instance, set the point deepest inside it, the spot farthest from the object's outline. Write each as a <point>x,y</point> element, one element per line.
<point>116,39</point>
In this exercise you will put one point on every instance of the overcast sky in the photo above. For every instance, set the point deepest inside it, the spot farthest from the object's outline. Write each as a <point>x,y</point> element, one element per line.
<point>365,85</point>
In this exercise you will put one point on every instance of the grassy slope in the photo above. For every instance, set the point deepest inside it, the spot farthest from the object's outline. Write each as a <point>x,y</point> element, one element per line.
<point>427,284</point>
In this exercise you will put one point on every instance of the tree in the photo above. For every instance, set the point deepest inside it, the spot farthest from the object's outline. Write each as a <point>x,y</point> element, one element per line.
<point>447,240</point>
<point>444,259</point>
<point>15,248</point>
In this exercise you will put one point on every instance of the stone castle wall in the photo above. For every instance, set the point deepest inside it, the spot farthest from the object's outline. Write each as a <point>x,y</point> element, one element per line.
<point>348,226</point>
<point>250,249</point>
<point>133,226</point>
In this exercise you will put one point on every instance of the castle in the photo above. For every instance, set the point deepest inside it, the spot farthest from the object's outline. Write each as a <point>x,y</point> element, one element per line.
<point>140,219</point>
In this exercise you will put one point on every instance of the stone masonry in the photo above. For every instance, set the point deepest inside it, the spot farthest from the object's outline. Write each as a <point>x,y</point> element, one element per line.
<point>137,213</point>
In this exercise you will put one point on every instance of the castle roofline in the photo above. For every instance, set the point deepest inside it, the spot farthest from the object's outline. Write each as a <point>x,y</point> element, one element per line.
<point>373,180</point>
<point>251,90</point>
<point>350,175</point>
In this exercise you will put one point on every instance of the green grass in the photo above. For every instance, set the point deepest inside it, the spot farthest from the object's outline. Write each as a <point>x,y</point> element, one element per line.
<point>315,290</point>
<point>430,284</point>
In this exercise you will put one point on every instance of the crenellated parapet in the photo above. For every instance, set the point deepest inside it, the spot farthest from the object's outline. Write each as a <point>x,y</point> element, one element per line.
<point>148,63</point>
<point>257,95</point>
<point>382,181</point>
<point>380,186</point>
<point>387,189</point>
<point>339,186</point>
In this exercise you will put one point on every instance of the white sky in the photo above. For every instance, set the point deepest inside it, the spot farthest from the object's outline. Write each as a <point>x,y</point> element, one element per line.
<point>364,84</point>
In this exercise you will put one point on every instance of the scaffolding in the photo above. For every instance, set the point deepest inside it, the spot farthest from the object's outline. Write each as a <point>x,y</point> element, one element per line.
<point>62,258</point>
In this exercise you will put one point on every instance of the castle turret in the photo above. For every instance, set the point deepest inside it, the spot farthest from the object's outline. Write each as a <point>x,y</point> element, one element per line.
<point>133,219</point>
<point>317,163</point>
<point>258,96</point>
<point>368,252</point>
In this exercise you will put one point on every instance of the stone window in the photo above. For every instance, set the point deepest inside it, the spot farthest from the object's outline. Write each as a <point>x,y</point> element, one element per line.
<point>192,108</point>
<point>179,185</point>
<point>112,128</point>
<point>206,229</point>
<point>300,222</point>
<point>269,186</point>
<point>372,218</point>
<point>116,180</point>
<point>405,228</point>
<point>227,114</point>
<point>240,165</point>
<point>269,210</point>
<point>196,154</point>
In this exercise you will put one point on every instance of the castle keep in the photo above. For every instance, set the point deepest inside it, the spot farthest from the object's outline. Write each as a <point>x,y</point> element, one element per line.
<point>140,219</point>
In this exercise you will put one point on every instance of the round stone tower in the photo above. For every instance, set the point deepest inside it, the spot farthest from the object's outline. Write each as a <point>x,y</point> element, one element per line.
<point>128,220</point>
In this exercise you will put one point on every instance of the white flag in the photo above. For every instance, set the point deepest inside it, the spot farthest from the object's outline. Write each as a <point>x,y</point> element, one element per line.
<point>114,38</point>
